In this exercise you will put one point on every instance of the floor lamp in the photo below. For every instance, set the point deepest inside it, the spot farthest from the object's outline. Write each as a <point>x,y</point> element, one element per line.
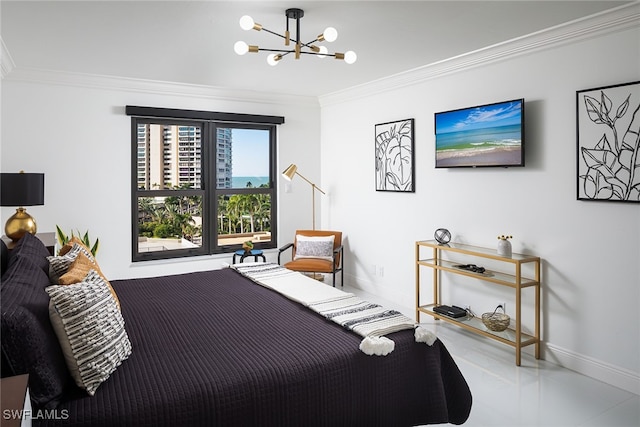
<point>289,173</point>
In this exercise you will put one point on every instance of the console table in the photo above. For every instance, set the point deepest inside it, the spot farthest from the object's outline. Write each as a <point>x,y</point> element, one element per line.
<point>438,259</point>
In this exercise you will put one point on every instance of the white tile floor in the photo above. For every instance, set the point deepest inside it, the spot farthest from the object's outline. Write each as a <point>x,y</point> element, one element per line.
<point>538,393</point>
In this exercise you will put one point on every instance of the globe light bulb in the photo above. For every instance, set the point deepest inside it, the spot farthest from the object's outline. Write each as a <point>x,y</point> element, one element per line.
<point>247,23</point>
<point>241,47</point>
<point>350,57</point>
<point>322,53</point>
<point>273,59</point>
<point>330,34</point>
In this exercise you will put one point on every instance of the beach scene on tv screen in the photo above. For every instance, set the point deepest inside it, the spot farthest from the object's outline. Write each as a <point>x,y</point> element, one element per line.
<point>488,135</point>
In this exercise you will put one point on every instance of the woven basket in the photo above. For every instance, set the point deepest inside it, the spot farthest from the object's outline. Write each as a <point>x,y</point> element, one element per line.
<point>496,322</point>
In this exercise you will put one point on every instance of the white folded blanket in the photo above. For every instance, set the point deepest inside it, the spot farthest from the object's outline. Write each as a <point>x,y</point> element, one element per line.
<point>368,320</point>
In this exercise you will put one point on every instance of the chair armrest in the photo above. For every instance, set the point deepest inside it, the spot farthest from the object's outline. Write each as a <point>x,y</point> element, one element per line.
<point>282,249</point>
<point>338,251</point>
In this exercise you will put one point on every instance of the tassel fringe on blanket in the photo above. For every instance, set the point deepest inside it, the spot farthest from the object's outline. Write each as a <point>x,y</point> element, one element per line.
<point>371,321</point>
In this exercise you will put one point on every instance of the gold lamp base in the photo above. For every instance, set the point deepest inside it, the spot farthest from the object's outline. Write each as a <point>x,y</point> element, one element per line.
<point>19,224</point>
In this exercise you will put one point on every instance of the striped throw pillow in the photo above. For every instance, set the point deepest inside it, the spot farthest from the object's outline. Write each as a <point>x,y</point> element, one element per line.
<point>78,271</point>
<point>59,265</point>
<point>90,329</point>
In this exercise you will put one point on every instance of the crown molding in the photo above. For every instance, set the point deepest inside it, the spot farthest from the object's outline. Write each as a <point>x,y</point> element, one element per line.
<point>616,19</point>
<point>114,83</point>
<point>610,21</point>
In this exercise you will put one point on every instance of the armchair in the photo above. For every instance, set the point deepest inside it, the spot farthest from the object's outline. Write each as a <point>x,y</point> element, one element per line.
<point>316,251</point>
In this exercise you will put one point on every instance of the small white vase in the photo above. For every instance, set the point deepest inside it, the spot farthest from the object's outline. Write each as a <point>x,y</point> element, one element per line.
<point>504,248</point>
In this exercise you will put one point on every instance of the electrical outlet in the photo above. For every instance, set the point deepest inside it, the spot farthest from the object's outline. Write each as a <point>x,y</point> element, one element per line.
<point>504,306</point>
<point>381,271</point>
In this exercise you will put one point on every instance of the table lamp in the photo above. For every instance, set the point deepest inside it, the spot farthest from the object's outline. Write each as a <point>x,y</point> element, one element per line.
<point>21,189</point>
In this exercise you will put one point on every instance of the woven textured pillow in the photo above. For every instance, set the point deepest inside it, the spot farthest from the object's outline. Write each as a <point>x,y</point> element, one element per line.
<point>69,245</point>
<point>78,271</point>
<point>90,329</point>
<point>314,247</point>
<point>59,265</point>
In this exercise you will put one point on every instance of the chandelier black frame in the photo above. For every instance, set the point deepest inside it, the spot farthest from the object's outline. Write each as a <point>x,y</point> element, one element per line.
<point>330,34</point>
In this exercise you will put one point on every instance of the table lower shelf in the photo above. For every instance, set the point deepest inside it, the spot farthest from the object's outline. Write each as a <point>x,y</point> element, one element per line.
<point>475,324</point>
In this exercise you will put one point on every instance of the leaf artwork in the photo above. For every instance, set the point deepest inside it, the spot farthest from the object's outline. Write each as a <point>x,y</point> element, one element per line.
<point>394,156</point>
<point>609,164</point>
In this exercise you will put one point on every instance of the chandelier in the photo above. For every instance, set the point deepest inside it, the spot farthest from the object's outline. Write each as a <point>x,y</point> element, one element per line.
<point>330,34</point>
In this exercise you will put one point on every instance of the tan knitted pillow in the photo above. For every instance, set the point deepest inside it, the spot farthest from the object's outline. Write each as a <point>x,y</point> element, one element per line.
<point>78,271</point>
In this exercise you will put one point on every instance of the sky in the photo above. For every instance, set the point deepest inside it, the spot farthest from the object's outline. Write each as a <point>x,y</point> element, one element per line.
<point>250,152</point>
<point>502,114</point>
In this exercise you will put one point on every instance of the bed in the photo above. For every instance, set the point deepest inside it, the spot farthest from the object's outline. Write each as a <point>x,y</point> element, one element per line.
<point>216,348</point>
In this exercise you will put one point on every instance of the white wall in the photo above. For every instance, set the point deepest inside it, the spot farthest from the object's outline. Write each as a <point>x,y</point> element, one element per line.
<point>74,129</point>
<point>590,250</point>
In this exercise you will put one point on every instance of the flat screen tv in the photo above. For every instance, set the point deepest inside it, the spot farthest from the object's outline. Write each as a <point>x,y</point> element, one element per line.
<point>490,135</point>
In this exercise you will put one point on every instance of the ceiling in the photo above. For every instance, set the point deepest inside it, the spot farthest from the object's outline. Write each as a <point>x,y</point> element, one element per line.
<point>192,42</point>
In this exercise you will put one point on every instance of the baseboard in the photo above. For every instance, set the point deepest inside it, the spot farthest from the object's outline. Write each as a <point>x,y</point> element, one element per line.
<point>602,371</point>
<point>593,368</point>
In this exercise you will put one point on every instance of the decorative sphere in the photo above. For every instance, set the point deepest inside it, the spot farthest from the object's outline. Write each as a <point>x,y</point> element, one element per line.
<point>271,59</point>
<point>350,57</point>
<point>330,34</point>
<point>247,23</point>
<point>241,48</point>
<point>323,52</point>
<point>442,236</point>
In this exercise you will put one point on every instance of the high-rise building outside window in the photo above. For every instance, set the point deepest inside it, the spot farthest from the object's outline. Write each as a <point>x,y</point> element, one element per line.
<point>201,186</point>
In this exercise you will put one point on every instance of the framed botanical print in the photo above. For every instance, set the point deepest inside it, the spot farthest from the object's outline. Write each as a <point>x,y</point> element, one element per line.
<point>394,156</point>
<point>608,143</point>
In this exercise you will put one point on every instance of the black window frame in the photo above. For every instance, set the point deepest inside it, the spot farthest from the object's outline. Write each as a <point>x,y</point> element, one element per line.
<point>209,122</point>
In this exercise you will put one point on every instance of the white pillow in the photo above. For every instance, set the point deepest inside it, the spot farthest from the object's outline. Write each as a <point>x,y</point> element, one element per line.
<point>314,247</point>
<point>90,329</point>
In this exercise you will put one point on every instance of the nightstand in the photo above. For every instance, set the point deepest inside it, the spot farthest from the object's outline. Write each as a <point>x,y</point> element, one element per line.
<point>49,240</point>
<point>15,401</point>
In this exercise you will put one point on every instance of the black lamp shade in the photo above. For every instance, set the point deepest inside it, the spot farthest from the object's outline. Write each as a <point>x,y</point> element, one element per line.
<point>21,189</point>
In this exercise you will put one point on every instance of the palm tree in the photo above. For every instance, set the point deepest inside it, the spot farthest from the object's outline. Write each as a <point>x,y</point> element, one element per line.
<point>223,204</point>
<point>264,212</point>
<point>234,213</point>
<point>145,209</point>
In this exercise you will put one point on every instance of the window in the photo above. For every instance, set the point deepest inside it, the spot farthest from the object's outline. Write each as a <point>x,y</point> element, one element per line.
<point>203,182</point>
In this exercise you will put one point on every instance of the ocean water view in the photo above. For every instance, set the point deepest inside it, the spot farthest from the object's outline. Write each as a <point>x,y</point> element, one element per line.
<point>480,139</point>
<point>256,181</point>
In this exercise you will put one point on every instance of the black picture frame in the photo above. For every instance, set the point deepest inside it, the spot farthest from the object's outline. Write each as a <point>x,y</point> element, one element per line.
<point>394,153</point>
<point>608,143</point>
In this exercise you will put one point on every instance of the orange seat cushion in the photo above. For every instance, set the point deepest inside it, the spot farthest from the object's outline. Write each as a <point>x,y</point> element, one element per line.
<point>310,264</point>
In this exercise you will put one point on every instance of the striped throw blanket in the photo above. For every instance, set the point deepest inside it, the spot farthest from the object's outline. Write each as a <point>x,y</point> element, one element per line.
<point>368,320</point>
